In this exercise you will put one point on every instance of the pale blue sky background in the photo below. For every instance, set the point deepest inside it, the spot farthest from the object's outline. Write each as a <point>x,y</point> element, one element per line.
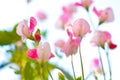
<point>13,11</point>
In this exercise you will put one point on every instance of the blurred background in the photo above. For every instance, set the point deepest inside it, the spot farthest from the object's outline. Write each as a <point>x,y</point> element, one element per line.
<point>14,11</point>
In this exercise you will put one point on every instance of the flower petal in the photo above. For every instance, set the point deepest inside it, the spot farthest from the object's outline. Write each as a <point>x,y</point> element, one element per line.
<point>32,54</point>
<point>33,23</point>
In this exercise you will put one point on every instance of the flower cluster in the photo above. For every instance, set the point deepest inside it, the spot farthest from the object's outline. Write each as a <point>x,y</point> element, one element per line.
<point>43,51</point>
<point>76,31</point>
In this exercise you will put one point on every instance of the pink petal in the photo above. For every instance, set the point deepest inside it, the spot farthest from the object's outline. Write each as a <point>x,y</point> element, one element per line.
<point>69,34</point>
<point>51,56</point>
<point>22,29</point>
<point>79,4</point>
<point>98,13</point>
<point>108,35</point>
<point>33,23</point>
<point>40,15</point>
<point>64,9</point>
<point>65,17</point>
<point>44,51</point>
<point>59,43</point>
<point>112,45</point>
<point>32,54</point>
<point>96,62</point>
<point>110,15</point>
<point>80,28</point>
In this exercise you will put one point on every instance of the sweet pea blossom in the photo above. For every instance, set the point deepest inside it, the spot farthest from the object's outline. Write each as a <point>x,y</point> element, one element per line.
<point>96,66</point>
<point>70,9</point>
<point>63,19</point>
<point>41,15</point>
<point>41,53</point>
<point>105,15</point>
<point>60,43</point>
<point>80,28</point>
<point>84,3</point>
<point>66,15</point>
<point>24,30</point>
<point>100,38</point>
<point>70,46</point>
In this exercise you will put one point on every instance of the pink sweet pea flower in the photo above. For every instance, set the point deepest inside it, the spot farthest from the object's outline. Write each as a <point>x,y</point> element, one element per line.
<point>100,38</point>
<point>42,53</point>
<point>63,19</point>
<point>66,15</point>
<point>104,15</point>
<point>41,15</point>
<point>69,47</point>
<point>80,28</point>
<point>23,30</point>
<point>59,43</point>
<point>96,66</point>
<point>84,3</point>
<point>70,9</point>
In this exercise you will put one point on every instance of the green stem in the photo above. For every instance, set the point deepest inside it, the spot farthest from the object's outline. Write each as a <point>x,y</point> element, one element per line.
<point>109,65</point>
<point>73,67</point>
<point>43,67</point>
<point>81,63</point>
<point>110,71</point>
<point>96,78</point>
<point>91,20</point>
<point>101,63</point>
<point>49,72</point>
<point>88,75</point>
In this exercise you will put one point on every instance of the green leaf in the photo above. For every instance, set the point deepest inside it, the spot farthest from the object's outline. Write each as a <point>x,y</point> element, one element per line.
<point>43,33</point>
<point>9,37</point>
<point>79,78</point>
<point>28,72</point>
<point>61,76</point>
<point>67,75</point>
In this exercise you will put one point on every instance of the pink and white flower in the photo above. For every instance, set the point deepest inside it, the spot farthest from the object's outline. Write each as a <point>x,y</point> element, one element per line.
<point>84,3</point>
<point>100,38</point>
<point>41,53</point>
<point>80,28</point>
<point>70,46</point>
<point>96,66</point>
<point>24,30</point>
<point>105,15</point>
<point>41,15</point>
<point>70,9</point>
<point>66,15</point>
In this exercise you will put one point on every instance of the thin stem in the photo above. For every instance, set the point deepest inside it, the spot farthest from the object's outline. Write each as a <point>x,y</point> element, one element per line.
<point>88,75</point>
<point>101,63</point>
<point>81,63</point>
<point>110,71</point>
<point>109,65</point>
<point>91,21</point>
<point>49,72</point>
<point>73,67</point>
<point>96,78</point>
